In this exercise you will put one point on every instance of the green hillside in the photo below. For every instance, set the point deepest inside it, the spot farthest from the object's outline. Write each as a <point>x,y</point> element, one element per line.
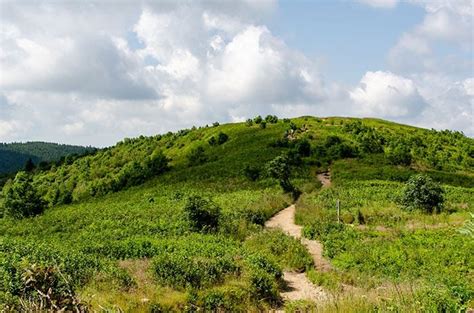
<point>123,228</point>
<point>13,156</point>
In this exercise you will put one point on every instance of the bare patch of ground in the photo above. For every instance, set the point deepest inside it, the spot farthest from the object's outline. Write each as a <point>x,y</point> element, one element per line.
<point>300,287</point>
<point>325,179</point>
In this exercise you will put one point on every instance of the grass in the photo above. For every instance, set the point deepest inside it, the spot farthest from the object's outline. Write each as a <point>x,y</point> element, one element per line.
<point>132,249</point>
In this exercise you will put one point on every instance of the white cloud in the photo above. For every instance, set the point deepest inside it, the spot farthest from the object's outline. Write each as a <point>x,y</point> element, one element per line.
<point>99,72</point>
<point>386,4</point>
<point>384,94</point>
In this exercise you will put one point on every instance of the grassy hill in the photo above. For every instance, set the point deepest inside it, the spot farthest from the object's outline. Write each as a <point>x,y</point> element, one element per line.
<point>117,231</point>
<point>13,156</point>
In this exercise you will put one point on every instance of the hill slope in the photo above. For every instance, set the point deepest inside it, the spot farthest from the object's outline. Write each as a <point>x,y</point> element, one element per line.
<point>13,156</point>
<point>127,239</point>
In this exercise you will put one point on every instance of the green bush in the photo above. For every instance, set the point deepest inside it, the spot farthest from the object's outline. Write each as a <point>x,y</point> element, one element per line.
<point>399,154</point>
<point>279,168</point>
<point>263,286</point>
<point>258,119</point>
<point>273,119</point>
<point>22,198</point>
<point>222,138</point>
<point>421,192</point>
<point>180,269</point>
<point>197,156</point>
<point>203,215</point>
<point>251,172</point>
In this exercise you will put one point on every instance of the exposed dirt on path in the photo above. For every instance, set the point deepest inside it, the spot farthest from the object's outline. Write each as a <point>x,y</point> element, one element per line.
<point>325,179</point>
<point>299,286</point>
<point>285,220</point>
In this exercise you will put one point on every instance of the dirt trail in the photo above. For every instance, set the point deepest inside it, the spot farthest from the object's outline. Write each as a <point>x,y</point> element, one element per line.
<point>299,286</point>
<point>325,179</point>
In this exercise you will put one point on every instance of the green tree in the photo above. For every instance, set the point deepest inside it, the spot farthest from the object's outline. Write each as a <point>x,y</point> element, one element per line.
<point>279,168</point>
<point>421,192</point>
<point>258,119</point>
<point>29,166</point>
<point>157,163</point>
<point>21,198</point>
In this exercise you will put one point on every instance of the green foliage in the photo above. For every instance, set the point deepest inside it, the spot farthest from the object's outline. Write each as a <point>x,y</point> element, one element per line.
<point>421,192</point>
<point>221,138</point>
<point>258,119</point>
<point>21,198</point>
<point>29,166</point>
<point>468,227</point>
<point>273,119</point>
<point>249,122</point>
<point>238,267</point>
<point>203,215</point>
<point>187,266</point>
<point>251,172</point>
<point>399,154</point>
<point>197,156</point>
<point>13,156</point>
<point>279,168</point>
<point>263,124</point>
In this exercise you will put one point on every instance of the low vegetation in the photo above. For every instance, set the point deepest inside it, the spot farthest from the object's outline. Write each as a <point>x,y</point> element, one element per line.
<point>174,222</point>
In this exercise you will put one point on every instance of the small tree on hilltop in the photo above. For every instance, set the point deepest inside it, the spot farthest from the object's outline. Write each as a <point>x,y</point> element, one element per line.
<point>21,198</point>
<point>421,192</point>
<point>279,168</point>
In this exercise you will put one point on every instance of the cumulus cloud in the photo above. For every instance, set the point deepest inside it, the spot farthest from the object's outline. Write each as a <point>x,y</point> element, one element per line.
<point>92,73</point>
<point>385,94</point>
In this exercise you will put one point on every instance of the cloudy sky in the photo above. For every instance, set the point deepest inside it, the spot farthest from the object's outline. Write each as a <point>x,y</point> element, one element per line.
<point>93,72</point>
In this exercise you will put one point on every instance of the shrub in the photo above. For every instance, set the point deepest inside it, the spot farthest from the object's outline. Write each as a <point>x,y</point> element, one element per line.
<point>263,124</point>
<point>47,289</point>
<point>212,141</point>
<point>263,286</point>
<point>399,154</point>
<point>22,198</point>
<point>251,172</point>
<point>180,269</point>
<point>279,168</point>
<point>273,119</point>
<point>215,124</point>
<point>197,156</point>
<point>157,163</point>
<point>421,192</point>
<point>249,122</point>
<point>303,147</point>
<point>203,215</point>
<point>258,119</point>
<point>222,138</point>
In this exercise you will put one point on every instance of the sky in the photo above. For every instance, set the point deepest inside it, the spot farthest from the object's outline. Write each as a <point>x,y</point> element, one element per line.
<point>94,72</point>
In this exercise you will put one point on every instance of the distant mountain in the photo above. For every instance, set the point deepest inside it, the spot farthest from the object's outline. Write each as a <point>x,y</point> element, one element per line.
<point>13,156</point>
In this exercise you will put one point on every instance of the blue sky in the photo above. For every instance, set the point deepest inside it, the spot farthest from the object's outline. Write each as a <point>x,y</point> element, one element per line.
<point>350,38</point>
<point>99,71</point>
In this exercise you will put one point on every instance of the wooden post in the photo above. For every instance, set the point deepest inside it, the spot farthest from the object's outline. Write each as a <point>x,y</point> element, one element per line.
<point>338,210</point>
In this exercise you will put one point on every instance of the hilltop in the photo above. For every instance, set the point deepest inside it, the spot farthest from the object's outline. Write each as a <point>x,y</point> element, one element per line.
<point>123,227</point>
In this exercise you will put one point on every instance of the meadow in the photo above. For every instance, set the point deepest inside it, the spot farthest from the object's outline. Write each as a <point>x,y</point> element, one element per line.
<point>116,232</point>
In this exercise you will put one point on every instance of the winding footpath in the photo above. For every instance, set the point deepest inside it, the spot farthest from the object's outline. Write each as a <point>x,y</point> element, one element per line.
<point>299,286</point>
